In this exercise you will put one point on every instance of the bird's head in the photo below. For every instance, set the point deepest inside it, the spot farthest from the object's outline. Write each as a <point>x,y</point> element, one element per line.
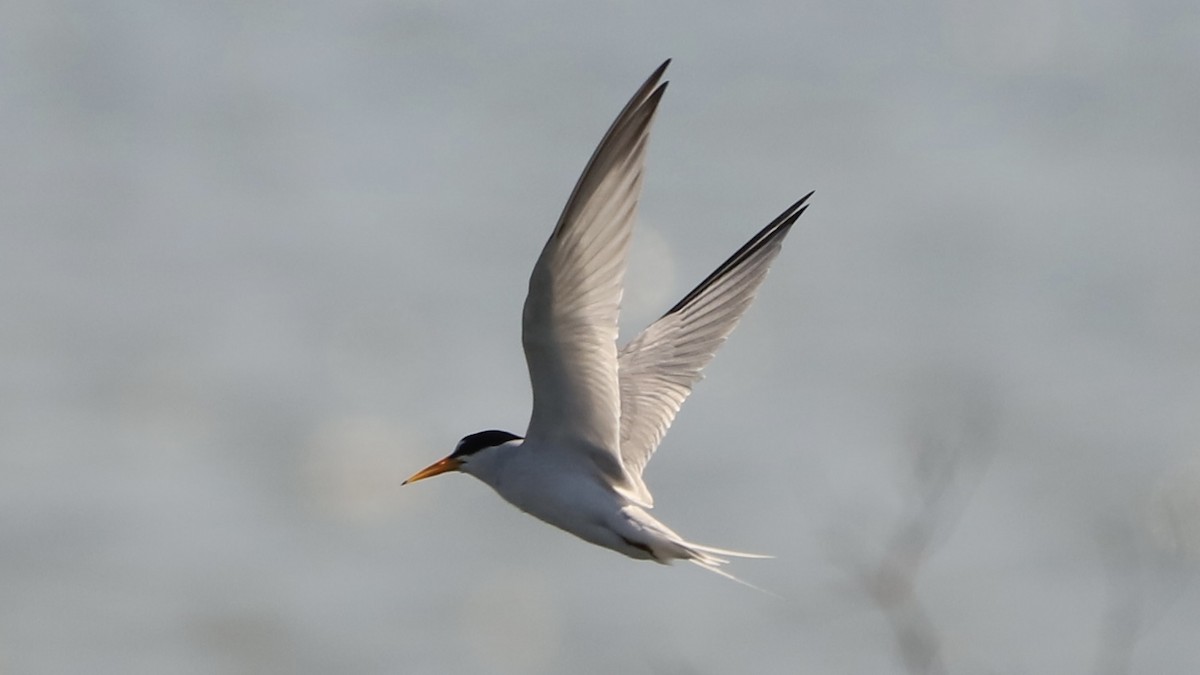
<point>472,453</point>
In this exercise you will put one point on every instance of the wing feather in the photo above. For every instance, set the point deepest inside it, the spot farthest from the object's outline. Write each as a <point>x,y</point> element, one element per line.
<point>569,327</point>
<point>659,367</point>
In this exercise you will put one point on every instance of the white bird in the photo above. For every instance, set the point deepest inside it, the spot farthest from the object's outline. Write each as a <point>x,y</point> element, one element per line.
<point>599,413</point>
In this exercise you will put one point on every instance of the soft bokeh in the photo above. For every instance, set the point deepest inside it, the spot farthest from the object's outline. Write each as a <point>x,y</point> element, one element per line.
<point>261,260</point>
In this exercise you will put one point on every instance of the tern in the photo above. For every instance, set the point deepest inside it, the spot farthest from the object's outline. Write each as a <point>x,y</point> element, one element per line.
<point>599,413</point>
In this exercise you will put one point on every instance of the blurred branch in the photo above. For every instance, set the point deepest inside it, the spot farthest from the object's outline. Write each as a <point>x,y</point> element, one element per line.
<point>948,452</point>
<point>1122,625</point>
<point>1148,567</point>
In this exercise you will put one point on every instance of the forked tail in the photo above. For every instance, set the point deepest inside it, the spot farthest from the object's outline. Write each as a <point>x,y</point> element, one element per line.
<point>712,559</point>
<point>644,533</point>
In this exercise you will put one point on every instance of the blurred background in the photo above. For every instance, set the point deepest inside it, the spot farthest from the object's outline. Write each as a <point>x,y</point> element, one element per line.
<point>260,261</point>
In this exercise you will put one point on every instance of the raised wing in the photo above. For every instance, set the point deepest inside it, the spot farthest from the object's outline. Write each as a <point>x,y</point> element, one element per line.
<point>569,329</point>
<point>660,366</point>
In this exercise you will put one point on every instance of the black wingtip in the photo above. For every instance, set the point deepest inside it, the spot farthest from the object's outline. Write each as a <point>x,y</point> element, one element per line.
<point>793,212</point>
<point>654,78</point>
<point>777,228</point>
<point>657,75</point>
<point>802,200</point>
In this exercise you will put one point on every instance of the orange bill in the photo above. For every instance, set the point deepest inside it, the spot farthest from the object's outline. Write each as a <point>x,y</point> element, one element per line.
<point>440,466</point>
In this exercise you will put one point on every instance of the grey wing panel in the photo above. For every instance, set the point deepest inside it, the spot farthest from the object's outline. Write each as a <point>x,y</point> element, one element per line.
<point>569,326</point>
<point>661,365</point>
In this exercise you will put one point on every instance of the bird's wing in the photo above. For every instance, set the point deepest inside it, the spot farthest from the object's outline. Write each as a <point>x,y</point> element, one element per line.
<point>569,327</point>
<point>660,366</point>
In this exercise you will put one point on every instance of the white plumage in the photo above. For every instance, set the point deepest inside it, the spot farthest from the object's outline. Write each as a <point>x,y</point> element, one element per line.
<point>599,413</point>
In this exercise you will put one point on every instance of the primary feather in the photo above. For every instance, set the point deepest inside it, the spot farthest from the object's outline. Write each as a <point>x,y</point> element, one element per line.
<point>659,367</point>
<point>569,327</point>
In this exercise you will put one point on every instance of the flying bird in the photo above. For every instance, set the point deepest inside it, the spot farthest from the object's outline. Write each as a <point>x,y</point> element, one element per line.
<point>599,412</point>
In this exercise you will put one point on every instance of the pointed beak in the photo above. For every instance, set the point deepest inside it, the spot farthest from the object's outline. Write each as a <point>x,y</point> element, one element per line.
<point>440,466</point>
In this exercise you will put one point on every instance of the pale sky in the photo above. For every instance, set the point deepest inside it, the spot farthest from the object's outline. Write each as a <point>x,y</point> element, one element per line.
<point>261,261</point>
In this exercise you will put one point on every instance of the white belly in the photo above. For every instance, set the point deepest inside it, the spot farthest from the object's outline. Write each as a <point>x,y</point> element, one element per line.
<point>572,498</point>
